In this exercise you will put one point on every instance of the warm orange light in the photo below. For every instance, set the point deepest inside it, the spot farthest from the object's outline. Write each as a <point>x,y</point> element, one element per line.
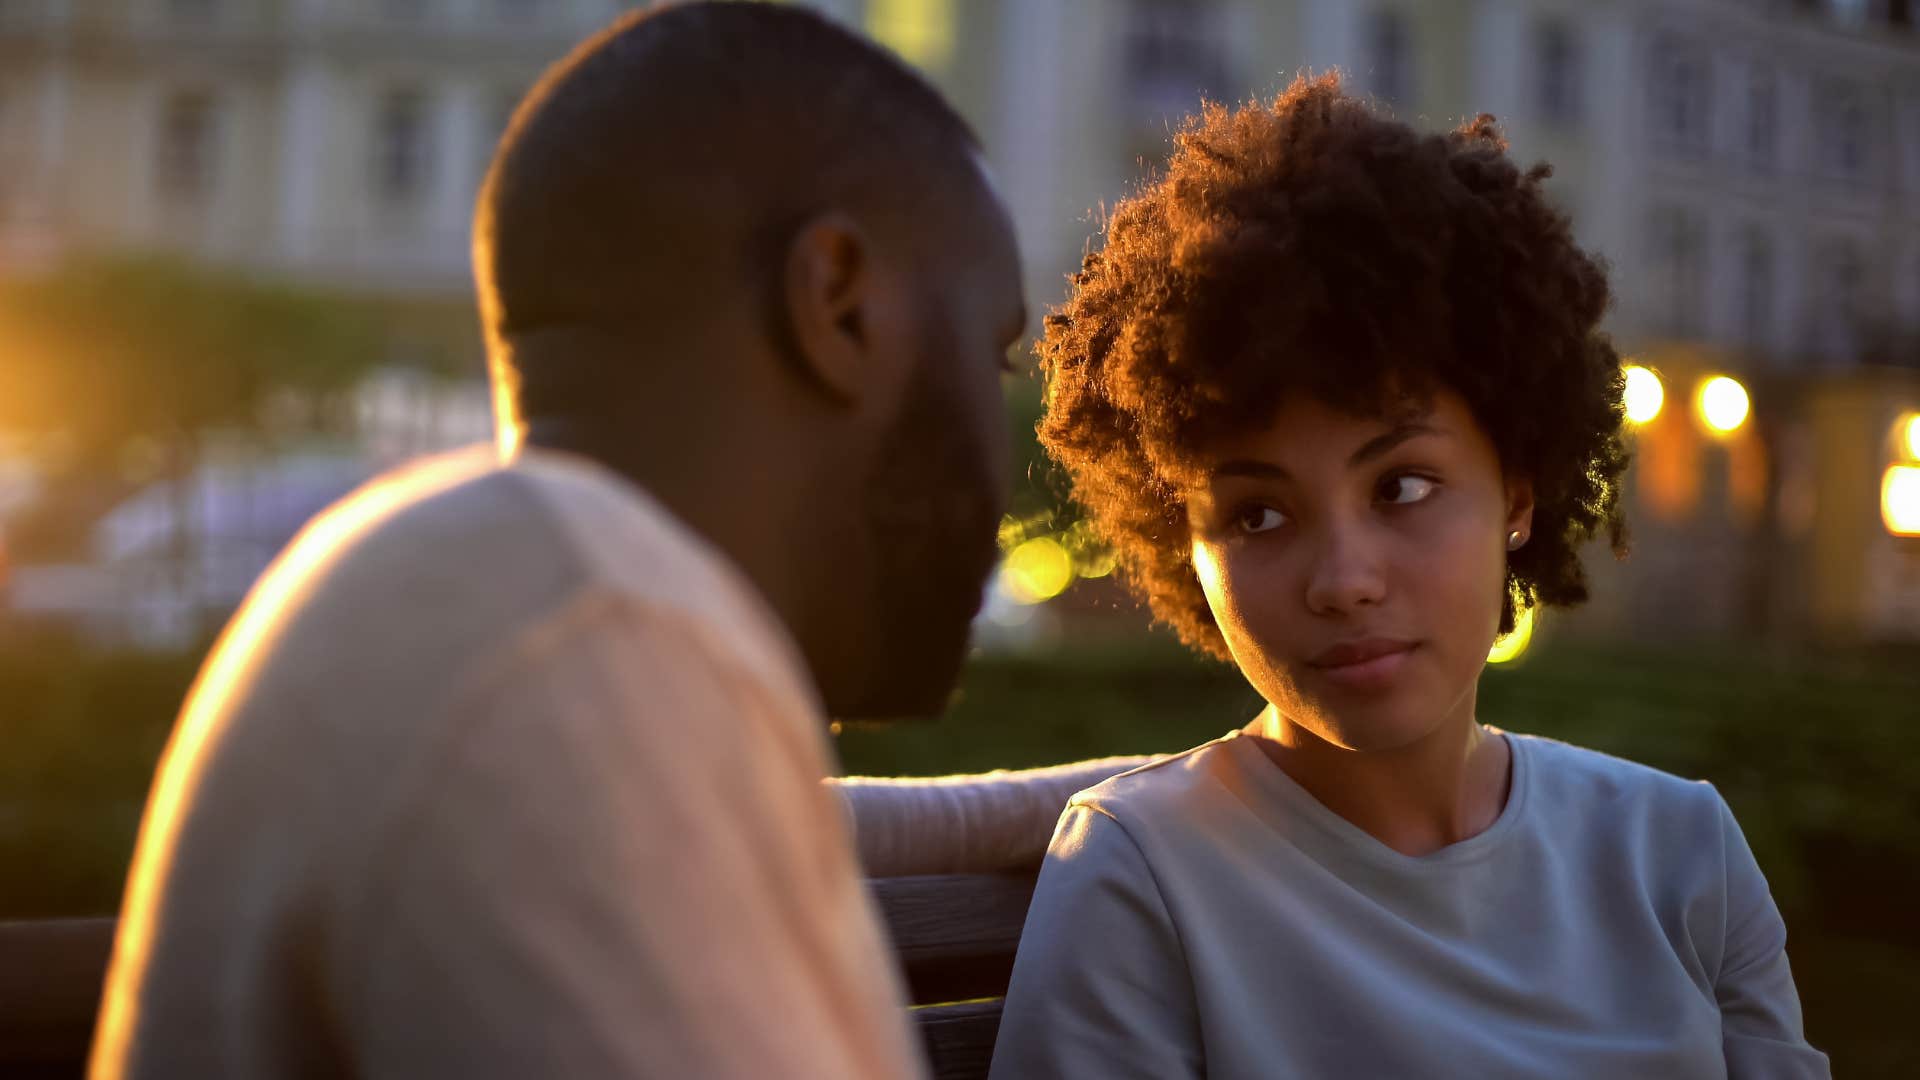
<point>1900,500</point>
<point>1723,405</point>
<point>1667,474</point>
<point>1747,476</point>
<point>1644,395</point>
<point>1910,437</point>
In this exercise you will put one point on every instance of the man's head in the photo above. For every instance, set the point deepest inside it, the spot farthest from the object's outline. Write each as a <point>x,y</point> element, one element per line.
<point>755,263</point>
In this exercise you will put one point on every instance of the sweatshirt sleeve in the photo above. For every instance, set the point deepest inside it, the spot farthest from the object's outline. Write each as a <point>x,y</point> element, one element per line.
<point>1100,986</point>
<point>1760,1024</point>
<point>964,824</point>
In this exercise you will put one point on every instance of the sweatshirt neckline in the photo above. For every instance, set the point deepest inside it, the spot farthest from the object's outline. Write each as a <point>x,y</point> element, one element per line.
<point>1286,796</point>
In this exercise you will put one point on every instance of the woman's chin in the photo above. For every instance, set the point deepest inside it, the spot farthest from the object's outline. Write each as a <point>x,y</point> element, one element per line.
<point>1376,729</point>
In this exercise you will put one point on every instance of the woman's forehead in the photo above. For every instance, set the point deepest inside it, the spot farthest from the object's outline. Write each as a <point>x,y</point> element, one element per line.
<point>1305,425</point>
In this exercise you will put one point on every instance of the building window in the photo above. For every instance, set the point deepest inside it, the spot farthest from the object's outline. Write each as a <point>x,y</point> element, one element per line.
<point>1390,56</point>
<point>1843,284</point>
<point>1847,134</point>
<point>1678,245</point>
<point>1756,289</point>
<point>13,158</point>
<point>1558,72</point>
<point>921,31</point>
<point>1763,117</point>
<point>404,10</point>
<point>184,171</point>
<point>1913,294</point>
<point>192,11</point>
<point>1681,95</point>
<point>1172,57</point>
<point>1851,12</point>
<point>401,152</point>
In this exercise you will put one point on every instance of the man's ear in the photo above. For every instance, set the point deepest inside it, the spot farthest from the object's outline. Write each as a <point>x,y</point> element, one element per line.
<point>827,287</point>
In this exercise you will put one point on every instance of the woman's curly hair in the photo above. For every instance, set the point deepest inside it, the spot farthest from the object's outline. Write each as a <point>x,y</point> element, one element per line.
<point>1314,246</point>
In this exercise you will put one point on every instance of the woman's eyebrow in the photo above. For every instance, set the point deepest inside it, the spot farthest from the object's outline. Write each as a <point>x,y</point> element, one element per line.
<point>1371,449</point>
<point>1259,470</point>
<point>1387,440</point>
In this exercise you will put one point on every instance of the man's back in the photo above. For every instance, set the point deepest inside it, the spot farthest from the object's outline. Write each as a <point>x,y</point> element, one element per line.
<point>500,772</point>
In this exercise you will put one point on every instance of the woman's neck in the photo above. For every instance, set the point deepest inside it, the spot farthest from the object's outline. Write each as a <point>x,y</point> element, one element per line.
<point>1444,788</point>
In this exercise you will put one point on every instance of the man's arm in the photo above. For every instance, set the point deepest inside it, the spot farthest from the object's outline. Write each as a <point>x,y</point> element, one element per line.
<point>974,824</point>
<point>621,864</point>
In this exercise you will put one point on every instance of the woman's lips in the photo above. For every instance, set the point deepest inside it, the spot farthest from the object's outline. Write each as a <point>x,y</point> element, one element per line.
<point>1368,664</point>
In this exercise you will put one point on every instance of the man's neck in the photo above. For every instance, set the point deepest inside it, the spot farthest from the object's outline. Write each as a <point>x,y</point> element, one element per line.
<point>745,512</point>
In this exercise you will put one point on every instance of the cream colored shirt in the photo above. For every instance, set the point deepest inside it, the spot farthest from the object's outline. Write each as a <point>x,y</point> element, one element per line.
<point>501,772</point>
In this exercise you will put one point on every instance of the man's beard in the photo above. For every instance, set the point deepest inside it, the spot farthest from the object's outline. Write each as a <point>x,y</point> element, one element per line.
<point>931,511</point>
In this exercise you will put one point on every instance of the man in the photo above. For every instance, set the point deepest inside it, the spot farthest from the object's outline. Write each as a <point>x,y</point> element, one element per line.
<point>511,766</point>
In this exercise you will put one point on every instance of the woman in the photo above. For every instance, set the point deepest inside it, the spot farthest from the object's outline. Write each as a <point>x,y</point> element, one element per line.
<point>1335,394</point>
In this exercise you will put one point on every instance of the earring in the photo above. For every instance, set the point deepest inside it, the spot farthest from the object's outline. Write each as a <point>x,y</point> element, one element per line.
<point>1515,541</point>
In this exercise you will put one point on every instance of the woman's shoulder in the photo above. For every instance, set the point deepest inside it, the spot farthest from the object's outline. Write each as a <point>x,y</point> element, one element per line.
<point>1586,782</point>
<point>1166,785</point>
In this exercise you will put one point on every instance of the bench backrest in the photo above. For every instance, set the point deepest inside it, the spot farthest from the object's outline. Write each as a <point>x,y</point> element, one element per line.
<point>955,937</point>
<point>50,975</point>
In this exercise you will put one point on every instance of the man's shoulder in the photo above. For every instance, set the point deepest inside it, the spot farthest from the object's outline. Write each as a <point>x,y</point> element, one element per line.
<point>426,540</point>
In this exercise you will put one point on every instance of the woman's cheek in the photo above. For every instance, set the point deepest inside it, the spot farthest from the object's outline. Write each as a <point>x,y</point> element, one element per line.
<point>1248,592</point>
<point>1461,574</point>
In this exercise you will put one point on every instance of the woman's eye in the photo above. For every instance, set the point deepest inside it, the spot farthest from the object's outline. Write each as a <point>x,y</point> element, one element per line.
<point>1402,490</point>
<point>1259,519</point>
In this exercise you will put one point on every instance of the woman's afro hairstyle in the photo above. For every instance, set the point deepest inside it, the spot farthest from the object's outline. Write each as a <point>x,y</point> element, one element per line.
<point>1313,245</point>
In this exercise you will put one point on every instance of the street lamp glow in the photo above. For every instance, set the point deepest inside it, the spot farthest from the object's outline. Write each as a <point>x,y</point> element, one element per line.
<point>1037,571</point>
<point>1644,394</point>
<point>1900,500</point>
<point>1723,405</point>
<point>1508,646</point>
<point>1910,437</point>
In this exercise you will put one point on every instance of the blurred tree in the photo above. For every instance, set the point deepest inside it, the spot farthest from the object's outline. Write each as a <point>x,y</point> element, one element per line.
<point>118,362</point>
<point>116,371</point>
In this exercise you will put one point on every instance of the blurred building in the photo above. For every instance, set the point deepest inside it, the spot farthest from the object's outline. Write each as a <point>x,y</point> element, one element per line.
<point>1749,168</point>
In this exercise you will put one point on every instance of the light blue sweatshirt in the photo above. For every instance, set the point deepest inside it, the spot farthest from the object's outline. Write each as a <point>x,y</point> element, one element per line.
<point>1206,916</point>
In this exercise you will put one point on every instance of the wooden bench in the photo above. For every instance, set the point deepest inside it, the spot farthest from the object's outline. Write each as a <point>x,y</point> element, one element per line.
<point>955,937</point>
<point>50,974</point>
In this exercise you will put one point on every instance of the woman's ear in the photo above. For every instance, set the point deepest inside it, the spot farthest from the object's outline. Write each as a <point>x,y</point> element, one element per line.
<point>1519,511</point>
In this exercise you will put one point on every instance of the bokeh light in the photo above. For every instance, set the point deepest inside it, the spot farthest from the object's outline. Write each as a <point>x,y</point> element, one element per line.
<point>1509,646</point>
<point>1723,405</point>
<point>1091,558</point>
<point>1910,437</point>
<point>1645,394</point>
<point>923,32</point>
<point>1037,571</point>
<point>1900,500</point>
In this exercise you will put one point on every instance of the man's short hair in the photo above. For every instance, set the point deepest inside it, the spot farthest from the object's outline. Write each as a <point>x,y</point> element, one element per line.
<point>673,155</point>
